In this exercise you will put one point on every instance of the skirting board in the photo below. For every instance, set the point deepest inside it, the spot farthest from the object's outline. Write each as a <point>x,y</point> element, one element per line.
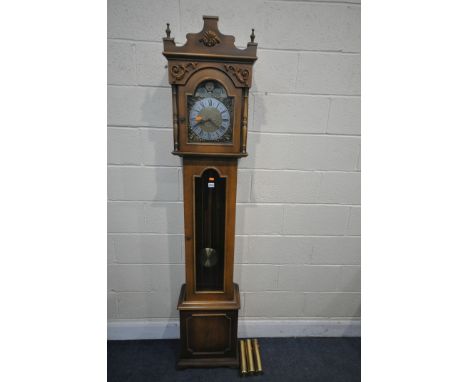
<point>145,330</point>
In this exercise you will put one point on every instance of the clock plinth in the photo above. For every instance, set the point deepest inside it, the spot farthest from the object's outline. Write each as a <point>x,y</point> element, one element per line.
<point>210,79</point>
<point>208,332</point>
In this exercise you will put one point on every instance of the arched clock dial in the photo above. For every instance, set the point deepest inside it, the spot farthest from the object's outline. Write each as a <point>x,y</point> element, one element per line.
<point>210,113</point>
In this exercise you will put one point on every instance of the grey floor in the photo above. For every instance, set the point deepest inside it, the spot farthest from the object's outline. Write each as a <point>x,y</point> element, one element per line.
<point>284,359</point>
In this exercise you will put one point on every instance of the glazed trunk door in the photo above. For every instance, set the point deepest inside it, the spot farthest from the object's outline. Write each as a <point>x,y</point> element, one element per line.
<point>209,219</point>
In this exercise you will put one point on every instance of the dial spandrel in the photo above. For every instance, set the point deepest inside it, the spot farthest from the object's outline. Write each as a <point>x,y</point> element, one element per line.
<point>210,114</point>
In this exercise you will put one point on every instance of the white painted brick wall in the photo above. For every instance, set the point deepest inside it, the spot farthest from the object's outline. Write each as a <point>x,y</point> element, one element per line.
<point>145,249</point>
<point>298,212</point>
<point>139,106</point>
<point>121,63</point>
<point>143,183</point>
<point>145,277</point>
<point>285,113</point>
<point>302,152</point>
<point>150,64</point>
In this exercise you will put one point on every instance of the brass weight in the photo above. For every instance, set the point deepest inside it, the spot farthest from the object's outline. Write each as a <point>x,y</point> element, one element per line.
<point>243,360</point>
<point>250,361</point>
<point>258,360</point>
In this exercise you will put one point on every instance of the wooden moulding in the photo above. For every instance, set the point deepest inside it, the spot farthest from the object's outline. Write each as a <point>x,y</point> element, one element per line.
<point>200,154</point>
<point>183,304</point>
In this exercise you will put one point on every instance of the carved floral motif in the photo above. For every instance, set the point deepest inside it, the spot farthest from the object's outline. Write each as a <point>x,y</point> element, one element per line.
<point>179,71</point>
<point>210,38</point>
<point>241,74</point>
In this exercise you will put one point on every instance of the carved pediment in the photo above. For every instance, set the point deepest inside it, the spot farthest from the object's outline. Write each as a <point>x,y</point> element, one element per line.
<point>209,43</point>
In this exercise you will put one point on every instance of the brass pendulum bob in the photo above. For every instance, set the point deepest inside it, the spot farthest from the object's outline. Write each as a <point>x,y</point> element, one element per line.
<point>209,257</point>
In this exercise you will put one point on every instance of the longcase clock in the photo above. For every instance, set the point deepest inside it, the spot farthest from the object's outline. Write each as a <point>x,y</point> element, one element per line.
<point>210,81</point>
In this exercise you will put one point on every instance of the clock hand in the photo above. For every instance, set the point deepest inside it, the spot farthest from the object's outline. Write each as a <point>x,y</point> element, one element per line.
<point>212,122</point>
<point>199,120</point>
<point>199,117</point>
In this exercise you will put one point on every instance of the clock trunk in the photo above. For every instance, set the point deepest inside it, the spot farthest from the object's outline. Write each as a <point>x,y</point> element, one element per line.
<point>210,186</point>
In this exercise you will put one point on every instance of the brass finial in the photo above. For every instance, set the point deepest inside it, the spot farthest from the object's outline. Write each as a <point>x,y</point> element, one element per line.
<point>252,36</point>
<point>168,31</point>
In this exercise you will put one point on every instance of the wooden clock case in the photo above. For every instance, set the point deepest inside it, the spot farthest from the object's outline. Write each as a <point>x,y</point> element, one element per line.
<point>208,318</point>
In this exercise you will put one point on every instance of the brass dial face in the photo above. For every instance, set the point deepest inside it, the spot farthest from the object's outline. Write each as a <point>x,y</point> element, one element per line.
<point>210,112</point>
<point>209,119</point>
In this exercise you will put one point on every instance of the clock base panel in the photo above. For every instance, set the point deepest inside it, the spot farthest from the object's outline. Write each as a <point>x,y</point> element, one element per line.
<point>208,332</point>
